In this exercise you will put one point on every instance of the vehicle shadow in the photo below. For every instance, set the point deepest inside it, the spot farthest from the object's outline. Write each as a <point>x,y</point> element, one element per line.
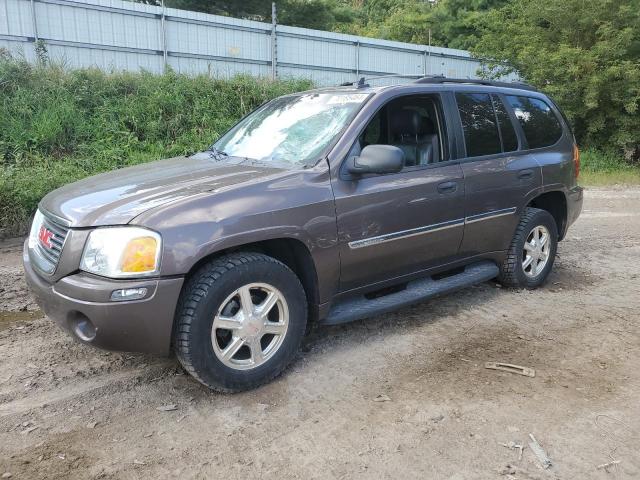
<point>403,321</point>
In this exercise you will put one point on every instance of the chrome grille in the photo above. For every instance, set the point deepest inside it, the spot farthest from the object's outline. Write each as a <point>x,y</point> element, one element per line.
<point>48,243</point>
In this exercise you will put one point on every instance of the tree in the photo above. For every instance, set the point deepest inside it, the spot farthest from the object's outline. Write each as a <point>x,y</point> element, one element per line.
<point>317,14</point>
<point>586,55</point>
<point>254,9</point>
<point>456,22</point>
<point>453,23</point>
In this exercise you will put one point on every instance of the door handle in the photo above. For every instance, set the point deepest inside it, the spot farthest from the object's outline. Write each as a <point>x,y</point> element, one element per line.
<point>447,187</point>
<point>525,174</point>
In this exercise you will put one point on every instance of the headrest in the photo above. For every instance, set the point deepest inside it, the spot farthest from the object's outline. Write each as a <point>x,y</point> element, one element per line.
<point>427,127</point>
<point>405,122</point>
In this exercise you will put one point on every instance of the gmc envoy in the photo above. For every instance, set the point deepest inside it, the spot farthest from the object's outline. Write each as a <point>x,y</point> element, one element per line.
<point>322,207</point>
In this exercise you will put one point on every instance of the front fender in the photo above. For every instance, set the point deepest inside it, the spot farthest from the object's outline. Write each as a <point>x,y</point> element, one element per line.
<point>298,206</point>
<point>194,254</point>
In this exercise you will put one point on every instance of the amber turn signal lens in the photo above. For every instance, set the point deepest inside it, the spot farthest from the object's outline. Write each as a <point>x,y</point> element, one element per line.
<point>576,160</point>
<point>140,255</point>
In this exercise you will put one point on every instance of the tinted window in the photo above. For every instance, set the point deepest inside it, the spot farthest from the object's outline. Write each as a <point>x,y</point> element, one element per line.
<point>507,132</point>
<point>540,124</point>
<point>479,124</point>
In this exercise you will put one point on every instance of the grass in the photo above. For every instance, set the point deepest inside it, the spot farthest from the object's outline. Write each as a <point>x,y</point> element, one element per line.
<point>59,125</point>
<point>604,168</point>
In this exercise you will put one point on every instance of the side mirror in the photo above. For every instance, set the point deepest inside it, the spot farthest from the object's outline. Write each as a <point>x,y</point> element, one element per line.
<point>376,159</point>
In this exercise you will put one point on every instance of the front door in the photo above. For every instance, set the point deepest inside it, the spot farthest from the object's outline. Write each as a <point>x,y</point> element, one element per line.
<point>397,224</point>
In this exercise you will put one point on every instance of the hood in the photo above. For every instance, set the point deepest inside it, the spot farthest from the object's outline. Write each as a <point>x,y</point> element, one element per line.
<point>117,197</point>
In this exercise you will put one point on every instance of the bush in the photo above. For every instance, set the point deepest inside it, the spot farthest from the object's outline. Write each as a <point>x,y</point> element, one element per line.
<point>59,125</point>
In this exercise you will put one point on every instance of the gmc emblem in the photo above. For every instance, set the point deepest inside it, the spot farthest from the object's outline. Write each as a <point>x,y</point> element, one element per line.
<point>45,236</point>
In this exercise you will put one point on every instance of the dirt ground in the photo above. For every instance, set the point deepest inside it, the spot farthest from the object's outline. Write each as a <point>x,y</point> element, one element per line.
<point>403,395</point>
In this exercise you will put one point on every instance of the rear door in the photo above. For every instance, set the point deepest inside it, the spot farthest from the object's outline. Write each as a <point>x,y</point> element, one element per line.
<point>499,174</point>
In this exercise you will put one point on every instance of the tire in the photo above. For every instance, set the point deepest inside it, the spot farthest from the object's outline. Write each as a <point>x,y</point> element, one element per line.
<point>215,297</point>
<point>513,272</point>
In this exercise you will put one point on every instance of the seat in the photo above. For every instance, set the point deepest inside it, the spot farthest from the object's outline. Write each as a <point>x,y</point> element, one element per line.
<point>415,136</point>
<point>429,135</point>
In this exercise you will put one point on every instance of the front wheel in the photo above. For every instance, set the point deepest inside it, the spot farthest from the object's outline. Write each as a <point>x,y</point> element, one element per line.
<point>532,250</point>
<point>240,321</point>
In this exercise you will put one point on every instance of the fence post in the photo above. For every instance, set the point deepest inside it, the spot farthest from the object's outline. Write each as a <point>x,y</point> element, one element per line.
<point>164,38</point>
<point>33,19</point>
<point>429,52</point>
<point>274,42</point>
<point>357,60</point>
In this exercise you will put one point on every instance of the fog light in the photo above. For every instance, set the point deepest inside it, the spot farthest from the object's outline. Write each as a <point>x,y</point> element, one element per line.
<point>128,294</point>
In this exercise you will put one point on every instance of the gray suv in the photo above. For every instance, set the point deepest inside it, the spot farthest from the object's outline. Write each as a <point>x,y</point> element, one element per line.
<point>322,207</point>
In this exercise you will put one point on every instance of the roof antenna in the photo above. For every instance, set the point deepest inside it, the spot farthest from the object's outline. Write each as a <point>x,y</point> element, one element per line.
<point>361,83</point>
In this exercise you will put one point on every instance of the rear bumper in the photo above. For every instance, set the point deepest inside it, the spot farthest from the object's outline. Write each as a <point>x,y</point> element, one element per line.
<point>143,325</point>
<point>574,206</point>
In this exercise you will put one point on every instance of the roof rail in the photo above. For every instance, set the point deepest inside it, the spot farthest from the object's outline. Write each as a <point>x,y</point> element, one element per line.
<point>439,79</point>
<point>362,82</point>
<point>476,81</point>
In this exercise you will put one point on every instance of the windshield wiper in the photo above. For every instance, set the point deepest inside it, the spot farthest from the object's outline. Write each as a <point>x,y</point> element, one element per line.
<point>217,154</point>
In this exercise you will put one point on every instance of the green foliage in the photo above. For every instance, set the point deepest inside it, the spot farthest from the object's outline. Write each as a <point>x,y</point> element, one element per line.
<point>316,14</point>
<point>596,161</point>
<point>456,21</point>
<point>606,168</point>
<point>453,23</point>
<point>57,126</point>
<point>585,55</point>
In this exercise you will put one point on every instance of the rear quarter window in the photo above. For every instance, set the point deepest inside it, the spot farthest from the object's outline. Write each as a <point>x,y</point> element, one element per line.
<point>539,123</point>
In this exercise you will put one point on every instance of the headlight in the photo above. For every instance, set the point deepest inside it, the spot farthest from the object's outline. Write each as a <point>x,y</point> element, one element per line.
<point>122,252</point>
<point>35,229</point>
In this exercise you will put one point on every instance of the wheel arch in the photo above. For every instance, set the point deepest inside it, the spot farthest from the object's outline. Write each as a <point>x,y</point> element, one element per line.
<point>554,202</point>
<point>293,252</point>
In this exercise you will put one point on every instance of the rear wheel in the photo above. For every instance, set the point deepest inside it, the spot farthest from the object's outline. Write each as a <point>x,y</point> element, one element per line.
<point>532,250</point>
<point>240,321</point>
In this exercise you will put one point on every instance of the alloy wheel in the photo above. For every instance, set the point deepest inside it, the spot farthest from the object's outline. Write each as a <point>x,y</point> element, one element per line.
<point>536,251</point>
<point>250,326</point>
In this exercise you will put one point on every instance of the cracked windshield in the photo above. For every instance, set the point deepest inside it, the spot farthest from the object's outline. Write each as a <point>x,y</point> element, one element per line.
<point>292,131</point>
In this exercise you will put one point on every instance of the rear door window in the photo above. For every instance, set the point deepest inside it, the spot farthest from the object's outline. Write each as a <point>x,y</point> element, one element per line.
<point>539,123</point>
<point>507,132</point>
<point>479,124</point>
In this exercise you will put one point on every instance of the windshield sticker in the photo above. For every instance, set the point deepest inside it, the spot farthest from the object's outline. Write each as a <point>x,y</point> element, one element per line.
<point>342,99</point>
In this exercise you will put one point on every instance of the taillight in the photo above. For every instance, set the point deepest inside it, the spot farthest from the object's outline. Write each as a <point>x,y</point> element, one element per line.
<point>576,160</point>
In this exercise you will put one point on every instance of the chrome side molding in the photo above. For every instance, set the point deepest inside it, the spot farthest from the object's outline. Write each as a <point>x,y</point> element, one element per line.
<point>436,227</point>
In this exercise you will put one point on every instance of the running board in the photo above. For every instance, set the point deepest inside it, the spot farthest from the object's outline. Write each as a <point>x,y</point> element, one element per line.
<point>358,307</point>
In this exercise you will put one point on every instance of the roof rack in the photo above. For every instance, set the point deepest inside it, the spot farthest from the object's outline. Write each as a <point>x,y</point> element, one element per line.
<point>476,81</point>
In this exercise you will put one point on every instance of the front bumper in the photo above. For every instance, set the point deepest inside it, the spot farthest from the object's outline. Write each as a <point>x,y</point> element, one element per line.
<point>143,325</point>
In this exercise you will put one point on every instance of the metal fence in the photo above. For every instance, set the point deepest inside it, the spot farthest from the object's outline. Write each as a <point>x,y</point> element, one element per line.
<point>120,35</point>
